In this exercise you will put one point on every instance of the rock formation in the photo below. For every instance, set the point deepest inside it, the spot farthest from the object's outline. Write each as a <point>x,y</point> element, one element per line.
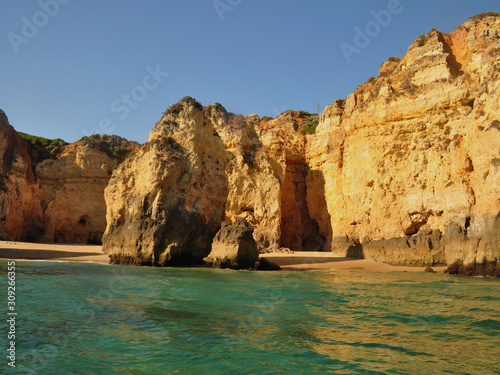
<point>55,193</point>
<point>401,171</point>
<point>411,158</point>
<point>166,203</point>
<point>254,182</point>
<point>405,170</point>
<point>234,246</point>
<point>228,167</point>
<point>72,186</point>
<point>20,214</point>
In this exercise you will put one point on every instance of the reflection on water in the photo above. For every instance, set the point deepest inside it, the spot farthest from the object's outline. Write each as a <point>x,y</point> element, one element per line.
<point>409,324</point>
<point>117,320</point>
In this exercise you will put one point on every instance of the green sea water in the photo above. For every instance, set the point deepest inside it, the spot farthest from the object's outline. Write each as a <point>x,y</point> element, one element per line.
<point>99,319</point>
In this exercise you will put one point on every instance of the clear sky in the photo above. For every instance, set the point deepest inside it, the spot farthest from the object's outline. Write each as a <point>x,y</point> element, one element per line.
<point>73,67</point>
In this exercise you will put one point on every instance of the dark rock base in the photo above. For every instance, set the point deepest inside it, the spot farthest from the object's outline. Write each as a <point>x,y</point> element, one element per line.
<point>180,261</point>
<point>486,268</point>
<point>420,250</point>
<point>261,265</point>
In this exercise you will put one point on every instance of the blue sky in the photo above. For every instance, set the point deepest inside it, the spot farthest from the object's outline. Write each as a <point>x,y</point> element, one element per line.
<point>73,67</point>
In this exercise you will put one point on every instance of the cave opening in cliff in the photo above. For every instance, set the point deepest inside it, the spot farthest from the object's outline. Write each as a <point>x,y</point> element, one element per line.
<point>299,231</point>
<point>84,221</point>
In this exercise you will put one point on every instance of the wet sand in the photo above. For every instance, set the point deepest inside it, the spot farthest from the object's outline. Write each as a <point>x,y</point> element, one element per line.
<point>64,252</point>
<point>307,261</point>
<point>298,261</point>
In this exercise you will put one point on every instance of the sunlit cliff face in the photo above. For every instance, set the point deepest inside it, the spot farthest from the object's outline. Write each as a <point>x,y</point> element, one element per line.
<point>404,170</point>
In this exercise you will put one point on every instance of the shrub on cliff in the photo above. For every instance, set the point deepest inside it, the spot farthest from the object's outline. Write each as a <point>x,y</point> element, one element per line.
<point>219,107</point>
<point>40,141</point>
<point>190,100</point>
<point>480,16</point>
<point>179,106</point>
<point>421,40</point>
<point>311,124</point>
<point>96,141</point>
<point>92,140</point>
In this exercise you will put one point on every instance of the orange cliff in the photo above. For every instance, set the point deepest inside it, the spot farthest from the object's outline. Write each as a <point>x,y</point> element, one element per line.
<point>405,170</point>
<point>411,158</point>
<point>55,193</point>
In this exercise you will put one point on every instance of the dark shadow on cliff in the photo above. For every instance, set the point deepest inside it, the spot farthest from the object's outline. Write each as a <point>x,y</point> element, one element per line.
<point>355,251</point>
<point>299,231</point>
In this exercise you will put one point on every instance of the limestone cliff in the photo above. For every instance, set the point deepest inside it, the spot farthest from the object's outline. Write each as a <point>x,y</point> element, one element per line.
<point>404,170</point>
<point>19,193</point>
<point>166,203</point>
<point>413,154</point>
<point>55,192</point>
<point>203,165</point>
<point>72,188</point>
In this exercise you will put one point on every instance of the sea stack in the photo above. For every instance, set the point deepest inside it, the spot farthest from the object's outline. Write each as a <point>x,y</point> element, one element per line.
<point>166,203</point>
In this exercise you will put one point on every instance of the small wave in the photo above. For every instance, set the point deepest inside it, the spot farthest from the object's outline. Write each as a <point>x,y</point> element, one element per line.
<point>487,324</point>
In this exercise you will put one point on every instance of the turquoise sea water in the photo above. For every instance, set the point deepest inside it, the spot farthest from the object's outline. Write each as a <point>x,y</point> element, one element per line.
<point>98,319</point>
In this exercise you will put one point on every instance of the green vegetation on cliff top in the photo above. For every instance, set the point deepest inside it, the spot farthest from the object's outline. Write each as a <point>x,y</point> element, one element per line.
<point>40,141</point>
<point>113,151</point>
<point>312,122</point>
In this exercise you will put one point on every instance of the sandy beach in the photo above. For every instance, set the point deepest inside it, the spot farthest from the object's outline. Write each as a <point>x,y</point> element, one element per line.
<point>307,261</point>
<point>62,252</point>
<point>298,261</point>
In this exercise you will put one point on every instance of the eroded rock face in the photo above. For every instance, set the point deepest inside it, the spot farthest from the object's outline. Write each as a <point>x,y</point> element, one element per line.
<point>20,210</point>
<point>72,186</point>
<point>474,250</point>
<point>55,193</point>
<point>254,185</point>
<point>166,203</point>
<point>389,172</point>
<point>248,162</point>
<point>286,147</point>
<point>405,170</point>
<point>415,150</point>
<point>234,246</point>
